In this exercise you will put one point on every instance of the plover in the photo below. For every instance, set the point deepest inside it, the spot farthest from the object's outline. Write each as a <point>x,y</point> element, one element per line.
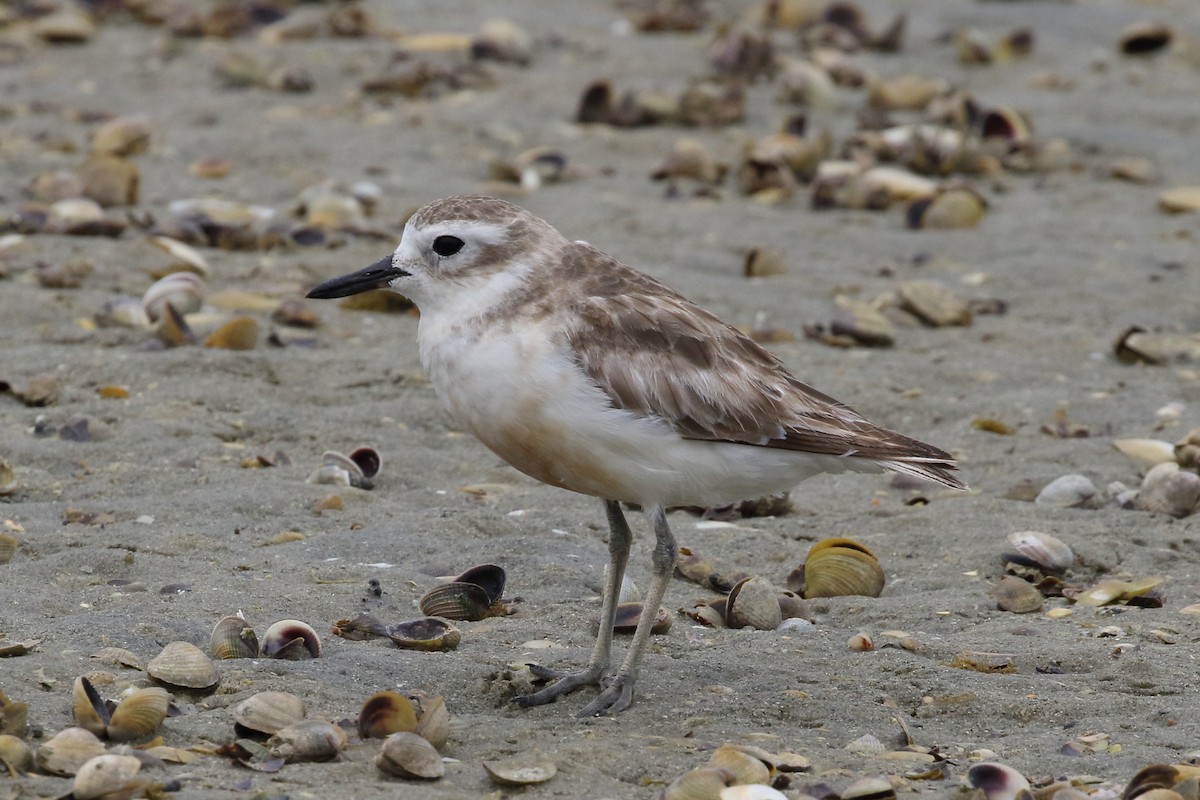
<point>589,375</point>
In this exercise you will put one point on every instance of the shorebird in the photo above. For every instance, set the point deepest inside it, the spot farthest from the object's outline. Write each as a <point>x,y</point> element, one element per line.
<point>589,375</point>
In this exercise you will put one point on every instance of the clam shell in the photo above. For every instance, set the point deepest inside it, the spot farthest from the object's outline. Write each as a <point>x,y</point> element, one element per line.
<point>122,136</point>
<point>457,601</point>
<point>1187,449</point>
<point>434,724</point>
<point>953,208</point>
<point>407,755</point>
<point>753,791</point>
<point>792,606</point>
<point>232,637</point>
<point>998,781</point>
<point>704,783</point>
<point>754,603</point>
<point>87,708</point>
<point>185,666</point>
<point>863,323</point>
<point>427,633</point>
<point>342,470</point>
<point>368,460</point>
<point>239,333</point>
<point>8,544</point>
<point>1016,595</point>
<point>290,640</point>
<point>183,290</point>
<point>307,740</point>
<point>1147,452</point>
<point>67,751</point>
<point>14,753</point>
<point>838,567</point>
<point>269,712</point>
<point>1167,489</point>
<point>933,303</point>
<point>385,713</point>
<point>628,615</point>
<point>744,767</point>
<point>488,577</point>
<point>860,642</point>
<point>139,714</point>
<point>1069,491</point>
<point>1040,550</point>
<point>108,777</point>
<point>868,789</point>
<point>523,770</point>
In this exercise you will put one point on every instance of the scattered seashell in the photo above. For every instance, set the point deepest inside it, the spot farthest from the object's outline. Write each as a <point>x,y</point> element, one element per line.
<point>628,615</point>
<point>108,777</point>
<point>1137,345</point>
<point>1017,595</point>
<point>718,576</point>
<point>744,767</point>
<point>860,642</point>
<point>933,303</point>
<point>456,601</point>
<point>1187,450</point>
<point>290,640</point>
<point>953,208</point>
<point>488,577</point>
<point>232,637</point>
<point>1181,200</point>
<point>1145,38</point>
<point>874,788</point>
<point>980,661</point>
<point>503,41</point>
<point>182,665</point>
<point>67,26</point>
<point>838,567</point>
<point>762,262</point>
<point>184,291</point>
<point>998,781</point>
<point>67,751</point>
<point>753,603</point>
<point>434,724</point>
<point>1069,491</point>
<point>427,633</point>
<point>50,187</point>
<point>1039,550</point>
<point>905,92</point>
<point>690,160</point>
<point>705,783</point>
<point>109,180</point>
<point>1147,452</point>
<point>866,745</point>
<point>357,469</point>
<point>523,770</point>
<point>295,312</point>
<point>240,333</point>
<point>122,136</point>
<point>1167,489</point>
<point>862,323</point>
<point>267,713</point>
<point>385,713</point>
<point>753,792</point>
<point>8,542</point>
<point>15,753</point>
<point>792,606</point>
<point>407,755</point>
<point>307,740</point>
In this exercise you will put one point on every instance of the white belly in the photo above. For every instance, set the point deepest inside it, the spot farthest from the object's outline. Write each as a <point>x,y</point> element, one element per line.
<point>522,397</point>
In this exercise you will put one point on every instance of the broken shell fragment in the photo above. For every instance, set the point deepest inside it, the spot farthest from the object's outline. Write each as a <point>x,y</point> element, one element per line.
<point>753,603</point>
<point>307,740</point>
<point>524,770</point>
<point>427,633</point>
<point>1017,595</point>
<point>407,755</point>
<point>67,751</point>
<point>182,665</point>
<point>456,601</point>
<point>837,567</point>
<point>232,637</point>
<point>291,640</point>
<point>385,713</point>
<point>267,713</point>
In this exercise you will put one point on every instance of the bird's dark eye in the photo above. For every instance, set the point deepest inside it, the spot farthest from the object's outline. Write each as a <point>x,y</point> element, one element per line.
<point>446,246</point>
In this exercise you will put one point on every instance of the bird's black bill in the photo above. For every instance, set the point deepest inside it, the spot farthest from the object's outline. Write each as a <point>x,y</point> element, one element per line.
<point>376,276</point>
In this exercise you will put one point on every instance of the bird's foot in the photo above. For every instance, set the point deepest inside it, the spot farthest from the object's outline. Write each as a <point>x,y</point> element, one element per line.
<point>616,697</point>
<point>561,683</point>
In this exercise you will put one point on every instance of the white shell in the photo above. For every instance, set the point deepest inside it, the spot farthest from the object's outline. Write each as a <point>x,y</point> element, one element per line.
<point>752,791</point>
<point>1069,491</point>
<point>1146,451</point>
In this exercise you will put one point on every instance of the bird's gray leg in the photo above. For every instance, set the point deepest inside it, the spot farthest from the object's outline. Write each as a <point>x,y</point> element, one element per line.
<point>618,695</point>
<point>619,540</point>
